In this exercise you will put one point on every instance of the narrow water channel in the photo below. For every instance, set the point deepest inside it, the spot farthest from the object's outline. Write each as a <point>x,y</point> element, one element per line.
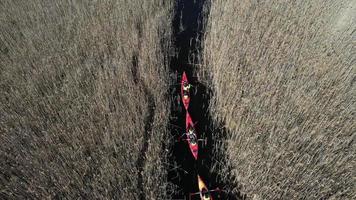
<point>187,32</point>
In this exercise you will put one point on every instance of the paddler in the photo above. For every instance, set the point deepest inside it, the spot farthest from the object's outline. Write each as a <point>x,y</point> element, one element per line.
<point>186,87</point>
<point>205,194</point>
<point>191,136</point>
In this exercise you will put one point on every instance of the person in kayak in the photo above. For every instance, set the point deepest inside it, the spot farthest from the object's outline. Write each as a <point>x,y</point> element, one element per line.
<point>186,88</point>
<point>205,194</point>
<point>191,136</point>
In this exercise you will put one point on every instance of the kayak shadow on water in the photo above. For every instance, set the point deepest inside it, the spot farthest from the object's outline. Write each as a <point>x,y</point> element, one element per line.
<point>183,168</point>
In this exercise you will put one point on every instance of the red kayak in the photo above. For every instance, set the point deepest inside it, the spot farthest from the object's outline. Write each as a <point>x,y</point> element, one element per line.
<point>191,136</point>
<point>185,94</point>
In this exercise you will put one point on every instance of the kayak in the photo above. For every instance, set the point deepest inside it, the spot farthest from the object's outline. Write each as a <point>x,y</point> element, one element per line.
<point>185,99</point>
<point>203,190</point>
<point>192,142</point>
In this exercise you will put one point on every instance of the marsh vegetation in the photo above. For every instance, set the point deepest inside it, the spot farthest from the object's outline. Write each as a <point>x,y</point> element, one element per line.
<point>283,78</point>
<point>83,104</point>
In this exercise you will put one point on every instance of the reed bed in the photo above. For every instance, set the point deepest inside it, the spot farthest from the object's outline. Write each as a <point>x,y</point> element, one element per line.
<point>283,79</point>
<point>84,105</point>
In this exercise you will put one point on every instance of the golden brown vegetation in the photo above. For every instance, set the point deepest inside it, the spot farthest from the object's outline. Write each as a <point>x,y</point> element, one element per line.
<point>83,104</point>
<point>283,76</point>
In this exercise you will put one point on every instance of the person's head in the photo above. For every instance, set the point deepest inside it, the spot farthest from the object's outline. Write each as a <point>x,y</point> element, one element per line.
<point>191,129</point>
<point>185,84</point>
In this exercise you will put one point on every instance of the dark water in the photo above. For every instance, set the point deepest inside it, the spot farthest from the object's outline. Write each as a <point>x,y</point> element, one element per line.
<point>189,15</point>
